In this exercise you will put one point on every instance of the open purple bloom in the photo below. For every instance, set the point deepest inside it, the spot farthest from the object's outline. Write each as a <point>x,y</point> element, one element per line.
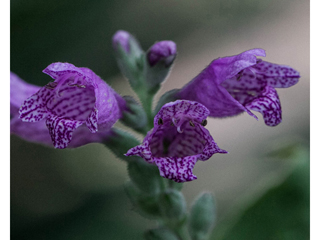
<point>178,140</point>
<point>232,85</point>
<point>166,50</point>
<point>76,97</point>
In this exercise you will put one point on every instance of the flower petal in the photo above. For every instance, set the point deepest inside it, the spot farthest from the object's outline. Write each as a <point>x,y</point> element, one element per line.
<point>179,108</point>
<point>34,108</point>
<point>177,169</point>
<point>31,131</point>
<point>58,69</point>
<point>142,150</point>
<point>277,76</point>
<point>61,130</point>
<point>20,90</point>
<point>228,67</point>
<point>92,121</point>
<point>268,104</point>
<point>206,90</point>
<point>72,100</point>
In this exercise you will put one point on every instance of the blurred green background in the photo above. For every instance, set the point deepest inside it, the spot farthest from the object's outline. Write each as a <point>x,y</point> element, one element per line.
<point>78,193</point>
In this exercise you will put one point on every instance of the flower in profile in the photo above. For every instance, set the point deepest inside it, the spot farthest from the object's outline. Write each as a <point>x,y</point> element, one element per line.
<point>178,140</point>
<point>232,85</point>
<point>164,50</point>
<point>76,97</point>
<point>37,132</point>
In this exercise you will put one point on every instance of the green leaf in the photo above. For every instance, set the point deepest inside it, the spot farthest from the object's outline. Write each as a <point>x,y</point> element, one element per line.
<point>202,216</point>
<point>145,176</point>
<point>146,205</point>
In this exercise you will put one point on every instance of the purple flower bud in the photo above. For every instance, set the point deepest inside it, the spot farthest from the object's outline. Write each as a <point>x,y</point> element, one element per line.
<point>121,38</point>
<point>166,50</point>
<point>232,85</point>
<point>76,97</point>
<point>178,140</point>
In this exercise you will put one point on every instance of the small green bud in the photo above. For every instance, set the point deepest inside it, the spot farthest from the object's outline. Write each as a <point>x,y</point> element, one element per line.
<point>202,217</point>
<point>173,204</point>
<point>129,55</point>
<point>160,58</point>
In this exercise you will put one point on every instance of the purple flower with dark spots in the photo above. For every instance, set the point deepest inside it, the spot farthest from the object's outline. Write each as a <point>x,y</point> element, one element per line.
<point>164,50</point>
<point>240,83</point>
<point>76,97</point>
<point>178,140</point>
<point>121,38</point>
<point>37,132</point>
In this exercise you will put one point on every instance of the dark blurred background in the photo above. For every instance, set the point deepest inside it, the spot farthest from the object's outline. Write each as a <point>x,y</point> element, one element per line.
<point>78,193</point>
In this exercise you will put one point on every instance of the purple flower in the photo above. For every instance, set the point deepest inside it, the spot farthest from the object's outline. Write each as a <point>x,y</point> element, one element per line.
<point>37,131</point>
<point>76,97</point>
<point>232,85</point>
<point>121,38</point>
<point>165,50</point>
<point>178,140</point>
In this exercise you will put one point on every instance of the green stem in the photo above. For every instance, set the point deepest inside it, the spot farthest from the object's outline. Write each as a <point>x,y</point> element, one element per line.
<point>146,101</point>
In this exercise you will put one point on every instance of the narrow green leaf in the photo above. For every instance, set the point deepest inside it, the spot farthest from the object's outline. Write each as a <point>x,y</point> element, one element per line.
<point>202,216</point>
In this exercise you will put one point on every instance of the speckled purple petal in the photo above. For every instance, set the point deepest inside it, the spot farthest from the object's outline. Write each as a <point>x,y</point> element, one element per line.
<point>274,75</point>
<point>268,104</point>
<point>178,140</point>
<point>177,169</point>
<point>243,87</point>
<point>61,129</point>
<point>34,108</point>
<point>92,121</point>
